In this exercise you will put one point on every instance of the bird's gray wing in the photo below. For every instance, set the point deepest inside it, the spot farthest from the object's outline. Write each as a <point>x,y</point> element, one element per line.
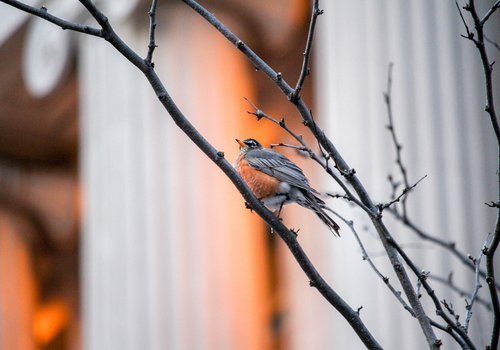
<point>277,165</point>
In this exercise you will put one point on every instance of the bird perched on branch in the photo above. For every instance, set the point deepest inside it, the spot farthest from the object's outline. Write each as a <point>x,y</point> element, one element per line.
<point>276,180</point>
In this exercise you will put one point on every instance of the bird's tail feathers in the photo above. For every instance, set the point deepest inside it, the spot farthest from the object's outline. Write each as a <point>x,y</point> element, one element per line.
<point>317,205</point>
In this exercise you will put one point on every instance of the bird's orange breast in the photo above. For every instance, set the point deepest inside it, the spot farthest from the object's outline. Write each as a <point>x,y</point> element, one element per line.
<point>261,184</point>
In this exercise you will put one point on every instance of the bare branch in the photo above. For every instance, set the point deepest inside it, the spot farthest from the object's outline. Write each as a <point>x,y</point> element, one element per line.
<point>152,28</point>
<point>63,24</point>
<point>479,42</point>
<point>477,285</point>
<point>300,149</point>
<point>493,204</point>
<point>307,52</point>
<point>490,109</point>
<point>431,293</point>
<point>450,331</point>
<point>451,311</point>
<point>447,245</point>
<point>405,191</point>
<point>397,145</point>
<point>461,292</point>
<point>366,257</point>
<point>470,35</point>
<point>492,42</point>
<point>495,7</point>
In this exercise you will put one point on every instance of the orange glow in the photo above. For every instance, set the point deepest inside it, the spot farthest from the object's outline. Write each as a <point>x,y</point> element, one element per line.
<point>49,320</point>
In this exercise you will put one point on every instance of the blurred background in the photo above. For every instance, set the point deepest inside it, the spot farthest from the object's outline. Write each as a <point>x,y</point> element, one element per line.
<point>117,233</point>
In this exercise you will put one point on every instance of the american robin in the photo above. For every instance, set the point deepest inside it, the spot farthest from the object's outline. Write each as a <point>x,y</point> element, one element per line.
<point>276,181</point>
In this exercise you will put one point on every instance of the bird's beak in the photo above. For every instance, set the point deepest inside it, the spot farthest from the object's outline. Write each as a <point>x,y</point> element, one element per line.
<point>241,143</point>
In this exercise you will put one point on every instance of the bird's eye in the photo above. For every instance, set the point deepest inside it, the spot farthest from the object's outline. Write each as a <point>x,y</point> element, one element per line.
<point>251,143</point>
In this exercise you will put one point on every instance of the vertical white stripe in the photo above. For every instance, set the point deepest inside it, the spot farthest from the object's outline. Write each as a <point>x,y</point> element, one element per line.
<point>438,105</point>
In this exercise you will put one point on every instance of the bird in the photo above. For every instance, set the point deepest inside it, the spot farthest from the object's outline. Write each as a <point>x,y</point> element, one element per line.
<point>276,181</point>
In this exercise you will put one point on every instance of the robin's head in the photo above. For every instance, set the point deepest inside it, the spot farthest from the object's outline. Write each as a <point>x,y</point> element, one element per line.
<point>248,144</point>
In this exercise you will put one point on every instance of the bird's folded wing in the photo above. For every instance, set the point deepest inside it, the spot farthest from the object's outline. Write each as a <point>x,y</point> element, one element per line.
<point>275,164</point>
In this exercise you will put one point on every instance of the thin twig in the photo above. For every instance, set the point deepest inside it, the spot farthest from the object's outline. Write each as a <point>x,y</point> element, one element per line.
<point>152,28</point>
<point>451,310</point>
<point>397,145</point>
<point>447,245</point>
<point>495,7</point>
<point>431,293</point>
<point>477,285</point>
<point>448,282</point>
<point>424,275</point>
<point>62,23</point>
<point>450,331</point>
<point>300,149</point>
<point>405,191</point>
<point>492,42</point>
<point>307,52</point>
<point>470,35</point>
<point>366,257</point>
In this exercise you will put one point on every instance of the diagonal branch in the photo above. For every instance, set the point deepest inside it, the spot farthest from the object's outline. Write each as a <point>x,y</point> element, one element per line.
<point>365,256</point>
<point>432,294</point>
<point>307,52</point>
<point>62,23</point>
<point>495,7</point>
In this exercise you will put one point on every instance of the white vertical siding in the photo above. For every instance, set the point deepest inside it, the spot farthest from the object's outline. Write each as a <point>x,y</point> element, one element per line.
<point>438,101</point>
<point>171,260</point>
